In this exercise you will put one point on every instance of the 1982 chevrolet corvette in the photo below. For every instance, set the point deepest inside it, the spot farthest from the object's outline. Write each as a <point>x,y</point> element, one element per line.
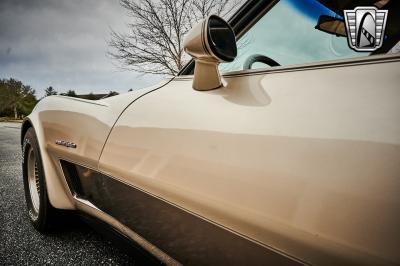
<point>276,145</point>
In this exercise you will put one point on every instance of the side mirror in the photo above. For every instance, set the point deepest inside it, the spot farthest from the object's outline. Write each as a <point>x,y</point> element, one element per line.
<point>210,42</point>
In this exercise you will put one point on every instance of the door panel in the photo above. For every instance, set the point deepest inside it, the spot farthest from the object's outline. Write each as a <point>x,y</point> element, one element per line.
<point>304,161</point>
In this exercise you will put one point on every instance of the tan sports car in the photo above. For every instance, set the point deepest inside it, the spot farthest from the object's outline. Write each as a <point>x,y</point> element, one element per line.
<point>277,144</point>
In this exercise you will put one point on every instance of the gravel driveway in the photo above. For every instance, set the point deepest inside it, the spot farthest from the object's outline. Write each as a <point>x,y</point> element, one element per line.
<point>20,243</point>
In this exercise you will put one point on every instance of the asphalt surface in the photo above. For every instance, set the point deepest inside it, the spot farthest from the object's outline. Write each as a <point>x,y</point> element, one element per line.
<point>21,244</point>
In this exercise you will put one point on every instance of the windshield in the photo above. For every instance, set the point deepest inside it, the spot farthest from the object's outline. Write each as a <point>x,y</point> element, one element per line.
<point>288,35</point>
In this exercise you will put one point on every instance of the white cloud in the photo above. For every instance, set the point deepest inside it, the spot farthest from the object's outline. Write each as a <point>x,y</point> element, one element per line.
<point>63,44</point>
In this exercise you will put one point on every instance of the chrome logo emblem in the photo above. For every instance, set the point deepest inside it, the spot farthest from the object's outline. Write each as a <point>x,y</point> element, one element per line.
<point>66,144</point>
<point>365,28</point>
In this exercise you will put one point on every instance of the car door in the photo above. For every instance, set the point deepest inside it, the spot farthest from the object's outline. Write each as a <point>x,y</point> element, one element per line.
<point>292,164</point>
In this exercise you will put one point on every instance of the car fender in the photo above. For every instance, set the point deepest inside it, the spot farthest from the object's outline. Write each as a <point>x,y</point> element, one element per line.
<point>85,124</point>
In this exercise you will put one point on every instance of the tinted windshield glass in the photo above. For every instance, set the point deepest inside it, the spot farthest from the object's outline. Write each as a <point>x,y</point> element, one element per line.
<point>287,35</point>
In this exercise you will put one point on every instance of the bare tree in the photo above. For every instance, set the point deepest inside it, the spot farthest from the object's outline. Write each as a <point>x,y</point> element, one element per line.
<point>154,43</point>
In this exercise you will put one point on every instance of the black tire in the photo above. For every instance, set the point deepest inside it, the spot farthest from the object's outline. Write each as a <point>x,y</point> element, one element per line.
<point>42,215</point>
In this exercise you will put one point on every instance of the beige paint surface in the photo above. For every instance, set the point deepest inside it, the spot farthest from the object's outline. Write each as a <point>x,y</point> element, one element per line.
<point>83,122</point>
<point>304,161</point>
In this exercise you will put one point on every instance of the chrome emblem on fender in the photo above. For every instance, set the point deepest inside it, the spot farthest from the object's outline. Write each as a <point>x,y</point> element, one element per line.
<point>365,28</point>
<point>66,144</point>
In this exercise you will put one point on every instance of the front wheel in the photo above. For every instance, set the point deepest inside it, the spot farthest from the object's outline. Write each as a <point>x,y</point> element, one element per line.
<point>42,215</point>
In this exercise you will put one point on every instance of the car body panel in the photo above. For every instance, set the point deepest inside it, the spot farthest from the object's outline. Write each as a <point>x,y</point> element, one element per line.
<point>85,123</point>
<point>304,160</point>
<point>284,166</point>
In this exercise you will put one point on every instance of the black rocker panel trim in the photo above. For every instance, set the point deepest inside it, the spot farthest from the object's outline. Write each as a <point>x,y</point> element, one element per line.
<point>141,256</point>
<point>188,238</point>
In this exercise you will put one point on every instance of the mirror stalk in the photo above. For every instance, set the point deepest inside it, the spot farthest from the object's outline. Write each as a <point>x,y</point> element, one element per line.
<point>206,75</point>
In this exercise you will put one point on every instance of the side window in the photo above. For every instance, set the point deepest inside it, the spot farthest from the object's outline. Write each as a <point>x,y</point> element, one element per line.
<point>286,35</point>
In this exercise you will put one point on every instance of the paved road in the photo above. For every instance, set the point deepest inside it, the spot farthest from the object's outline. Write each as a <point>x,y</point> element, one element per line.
<point>20,243</point>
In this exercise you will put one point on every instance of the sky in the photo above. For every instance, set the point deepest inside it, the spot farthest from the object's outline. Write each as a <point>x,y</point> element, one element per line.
<point>64,44</point>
